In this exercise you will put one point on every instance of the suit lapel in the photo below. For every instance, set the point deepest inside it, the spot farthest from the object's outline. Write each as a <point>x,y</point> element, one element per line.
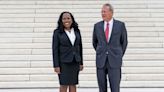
<point>76,35</point>
<point>67,38</point>
<point>113,28</point>
<point>102,33</point>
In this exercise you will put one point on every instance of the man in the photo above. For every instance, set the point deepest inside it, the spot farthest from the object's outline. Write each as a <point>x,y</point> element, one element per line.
<point>110,42</point>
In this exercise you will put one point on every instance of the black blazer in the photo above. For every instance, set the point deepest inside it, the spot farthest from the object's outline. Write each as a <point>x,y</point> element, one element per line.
<point>62,49</point>
<point>114,49</point>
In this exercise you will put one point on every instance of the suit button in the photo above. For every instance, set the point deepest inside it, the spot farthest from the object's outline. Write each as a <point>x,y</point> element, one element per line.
<point>73,53</point>
<point>107,53</point>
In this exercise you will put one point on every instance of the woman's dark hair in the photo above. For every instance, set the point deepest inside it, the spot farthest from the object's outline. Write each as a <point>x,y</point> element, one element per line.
<point>60,25</point>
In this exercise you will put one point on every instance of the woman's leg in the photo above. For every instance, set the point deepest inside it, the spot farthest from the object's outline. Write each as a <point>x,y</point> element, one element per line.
<point>63,88</point>
<point>72,88</point>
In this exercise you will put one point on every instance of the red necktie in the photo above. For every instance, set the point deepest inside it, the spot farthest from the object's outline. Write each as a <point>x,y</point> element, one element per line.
<point>107,32</point>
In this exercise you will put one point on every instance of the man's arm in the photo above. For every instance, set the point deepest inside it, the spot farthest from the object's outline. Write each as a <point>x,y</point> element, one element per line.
<point>94,38</point>
<point>124,39</point>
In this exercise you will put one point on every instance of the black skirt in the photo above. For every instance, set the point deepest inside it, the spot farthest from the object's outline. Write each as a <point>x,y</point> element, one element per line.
<point>69,73</point>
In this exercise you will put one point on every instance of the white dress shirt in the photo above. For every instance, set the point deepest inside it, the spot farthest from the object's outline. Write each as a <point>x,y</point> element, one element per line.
<point>71,35</point>
<point>110,28</point>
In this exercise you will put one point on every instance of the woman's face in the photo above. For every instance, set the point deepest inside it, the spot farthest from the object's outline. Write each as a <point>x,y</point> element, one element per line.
<point>67,20</point>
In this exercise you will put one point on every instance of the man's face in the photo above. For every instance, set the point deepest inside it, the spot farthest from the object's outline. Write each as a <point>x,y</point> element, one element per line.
<point>106,13</point>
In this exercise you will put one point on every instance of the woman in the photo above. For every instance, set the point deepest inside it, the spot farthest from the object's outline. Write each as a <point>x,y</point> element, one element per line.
<point>67,52</point>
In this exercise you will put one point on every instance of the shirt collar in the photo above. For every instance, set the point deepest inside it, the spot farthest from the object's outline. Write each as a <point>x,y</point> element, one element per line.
<point>72,30</point>
<point>110,22</point>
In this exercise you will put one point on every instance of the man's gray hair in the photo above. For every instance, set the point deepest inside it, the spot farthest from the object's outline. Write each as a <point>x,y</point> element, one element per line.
<point>110,7</point>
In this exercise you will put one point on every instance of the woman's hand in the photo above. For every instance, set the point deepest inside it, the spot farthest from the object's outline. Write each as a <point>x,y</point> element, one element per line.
<point>57,70</point>
<point>81,67</point>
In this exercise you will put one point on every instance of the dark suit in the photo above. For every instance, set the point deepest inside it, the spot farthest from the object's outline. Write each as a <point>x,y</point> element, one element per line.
<point>64,51</point>
<point>109,54</point>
